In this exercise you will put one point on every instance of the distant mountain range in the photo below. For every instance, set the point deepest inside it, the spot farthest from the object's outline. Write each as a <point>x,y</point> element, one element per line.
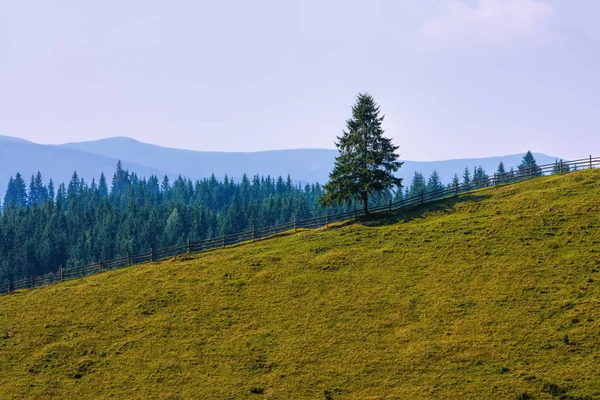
<point>90,159</point>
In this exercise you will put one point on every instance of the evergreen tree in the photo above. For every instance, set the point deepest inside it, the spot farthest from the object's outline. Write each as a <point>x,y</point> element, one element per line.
<point>166,185</point>
<point>38,193</point>
<point>466,179</point>
<point>32,198</point>
<point>480,178</point>
<point>434,184</point>
<point>120,179</point>
<point>9,196</point>
<point>501,174</point>
<point>102,187</point>
<point>73,188</point>
<point>16,193</point>
<point>418,185</point>
<point>51,191</point>
<point>21,192</point>
<point>174,229</point>
<point>501,170</point>
<point>61,196</point>
<point>528,166</point>
<point>41,189</point>
<point>560,167</point>
<point>455,181</point>
<point>367,159</point>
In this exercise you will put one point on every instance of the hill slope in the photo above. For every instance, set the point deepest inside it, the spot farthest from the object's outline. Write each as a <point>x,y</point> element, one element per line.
<point>490,295</point>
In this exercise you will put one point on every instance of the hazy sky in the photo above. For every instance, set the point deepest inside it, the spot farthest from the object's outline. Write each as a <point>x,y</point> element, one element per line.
<point>455,78</point>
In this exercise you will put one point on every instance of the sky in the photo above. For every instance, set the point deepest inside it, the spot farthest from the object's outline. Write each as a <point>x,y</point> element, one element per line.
<point>454,78</point>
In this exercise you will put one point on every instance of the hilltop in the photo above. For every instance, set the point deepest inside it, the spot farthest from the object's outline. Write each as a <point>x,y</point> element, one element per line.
<point>493,294</point>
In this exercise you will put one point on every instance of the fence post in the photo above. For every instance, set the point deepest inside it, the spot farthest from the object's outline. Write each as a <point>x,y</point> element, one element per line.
<point>9,286</point>
<point>494,179</point>
<point>223,241</point>
<point>62,274</point>
<point>530,171</point>
<point>32,281</point>
<point>128,259</point>
<point>590,161</point>
<point>422,196</point>
<point>326,220</point>
<point>151,254</point>
<point>295,225</point>
<point>189,245</point>
<point>561,167</point>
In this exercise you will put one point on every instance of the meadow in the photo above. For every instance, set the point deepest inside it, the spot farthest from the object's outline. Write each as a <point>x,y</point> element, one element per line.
<point>490,295</point>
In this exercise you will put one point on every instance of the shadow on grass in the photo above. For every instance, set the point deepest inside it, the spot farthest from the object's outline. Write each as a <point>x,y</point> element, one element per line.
<point>415,211</point>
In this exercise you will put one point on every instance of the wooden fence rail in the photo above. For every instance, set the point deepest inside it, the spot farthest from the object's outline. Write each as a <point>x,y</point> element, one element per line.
<point>310,223</point>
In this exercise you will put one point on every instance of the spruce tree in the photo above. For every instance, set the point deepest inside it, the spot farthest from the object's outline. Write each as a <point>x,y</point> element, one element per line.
<point>529,166</point>
<point>466,179</point>
<point>560,167</point>
<point>367,160</point>
<point>9,195</point>
<point>120,179</point>
<point>51,191</point>
<point>73,188</point>
<point>455,181</point>
<point>501,169</point>
<point>166,185</point>
<point>480,178</point>
<point>417,185</point>
<point>33,197</point>
<point>42,191</point>
<point>434,184</point>
<point>16,194</point>
<point>102,187</point>
<point>501,173</point>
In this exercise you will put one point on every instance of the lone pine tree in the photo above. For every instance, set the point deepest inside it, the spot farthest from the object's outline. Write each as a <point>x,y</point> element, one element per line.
<point>367,160</point>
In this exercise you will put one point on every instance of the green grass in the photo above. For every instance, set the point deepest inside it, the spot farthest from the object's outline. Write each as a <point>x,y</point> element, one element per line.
<point>487,296</point>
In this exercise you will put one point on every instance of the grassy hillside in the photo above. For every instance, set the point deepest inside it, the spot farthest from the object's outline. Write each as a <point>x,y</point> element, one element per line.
<point>493,295</point>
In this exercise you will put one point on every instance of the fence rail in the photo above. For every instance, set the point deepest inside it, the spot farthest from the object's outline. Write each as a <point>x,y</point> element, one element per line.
<point>316,222</point>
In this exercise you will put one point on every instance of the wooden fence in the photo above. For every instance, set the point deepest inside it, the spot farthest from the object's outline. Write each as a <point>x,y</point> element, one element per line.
<point>253,234</point>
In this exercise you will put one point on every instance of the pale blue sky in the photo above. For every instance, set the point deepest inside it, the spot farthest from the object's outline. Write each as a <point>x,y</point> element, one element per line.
<point>455,79</point>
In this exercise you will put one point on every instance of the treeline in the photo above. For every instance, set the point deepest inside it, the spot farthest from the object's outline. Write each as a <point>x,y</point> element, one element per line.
<point>478,178</point>
<point>43,227</point>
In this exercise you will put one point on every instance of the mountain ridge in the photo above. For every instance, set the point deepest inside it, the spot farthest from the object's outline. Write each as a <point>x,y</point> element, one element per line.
<point>321,160</point>
<point>91,158</point>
